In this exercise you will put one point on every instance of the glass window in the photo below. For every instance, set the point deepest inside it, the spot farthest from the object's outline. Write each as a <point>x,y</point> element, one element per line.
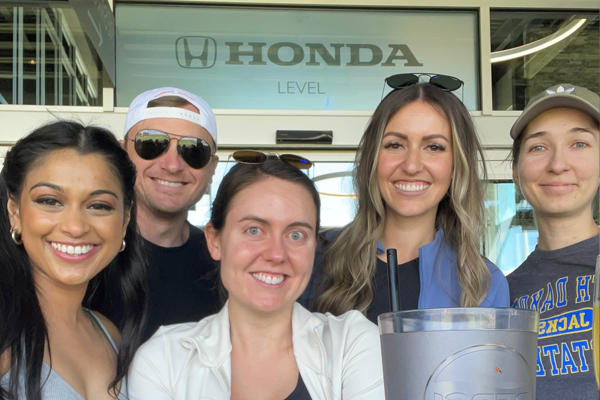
<point>511,228</point>
<point>6,55</point>
<point>338,201</point>
<point>50,69</point>
<point>511,231</point>
<point>333,181</point>
<point>46,58</point>
<point>533,50</point>
<point>295,59</point>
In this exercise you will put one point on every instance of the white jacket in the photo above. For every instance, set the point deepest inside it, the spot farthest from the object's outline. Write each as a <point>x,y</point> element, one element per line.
<point>339,358</point>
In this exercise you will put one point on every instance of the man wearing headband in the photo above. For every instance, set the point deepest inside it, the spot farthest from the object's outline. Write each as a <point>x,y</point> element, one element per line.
<point>556,165</point>
<point>171,137</point>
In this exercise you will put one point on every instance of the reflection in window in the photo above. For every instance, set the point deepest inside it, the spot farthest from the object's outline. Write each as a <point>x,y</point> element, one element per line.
<point>333,181</point>
<point>511,231</point>
<point>532,51</point>
<point>46,59</point>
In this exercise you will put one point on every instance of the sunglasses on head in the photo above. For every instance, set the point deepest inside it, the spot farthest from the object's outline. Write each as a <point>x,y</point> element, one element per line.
<point>446,83</point>
<point>150,144</point>
<point>258,157</point>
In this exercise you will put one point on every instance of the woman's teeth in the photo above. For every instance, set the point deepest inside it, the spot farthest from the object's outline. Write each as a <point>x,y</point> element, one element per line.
<point>73,250</point>
<point>411,187</point>
<point>268,279</point>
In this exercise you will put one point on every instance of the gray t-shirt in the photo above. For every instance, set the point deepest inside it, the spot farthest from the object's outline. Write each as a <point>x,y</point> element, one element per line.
<point>559,284</point>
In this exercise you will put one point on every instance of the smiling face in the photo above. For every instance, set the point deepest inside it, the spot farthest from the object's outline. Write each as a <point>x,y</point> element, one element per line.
<point>559,163</point>
<point>267,245</point>
<point>414,169</point>
<point>167,184</point>
<point>71,216</point>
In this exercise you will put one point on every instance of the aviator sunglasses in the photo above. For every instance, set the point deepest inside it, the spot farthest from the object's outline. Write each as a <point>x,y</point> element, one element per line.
<point>258,157</point>
<point>444,82</point>
<point>150,144</point>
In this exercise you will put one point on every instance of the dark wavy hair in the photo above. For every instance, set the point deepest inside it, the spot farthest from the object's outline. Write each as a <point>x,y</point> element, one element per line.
<point>23,329</point>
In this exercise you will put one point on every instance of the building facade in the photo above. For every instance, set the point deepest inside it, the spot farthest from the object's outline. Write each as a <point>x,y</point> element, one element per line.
<point>302,65</point>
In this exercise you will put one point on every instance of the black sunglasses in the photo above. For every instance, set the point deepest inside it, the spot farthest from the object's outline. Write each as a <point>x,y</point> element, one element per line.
<point>150,144</point>
<point>257,157</point>
<point>444,82</point>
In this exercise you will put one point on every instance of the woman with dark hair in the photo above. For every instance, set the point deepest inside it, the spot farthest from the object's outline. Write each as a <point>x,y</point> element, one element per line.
<point>418,178</point>
<point>263,345</point>
<point>67,225</point>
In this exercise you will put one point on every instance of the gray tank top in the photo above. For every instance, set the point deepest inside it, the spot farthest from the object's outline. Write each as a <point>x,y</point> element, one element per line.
<point>54,387</point>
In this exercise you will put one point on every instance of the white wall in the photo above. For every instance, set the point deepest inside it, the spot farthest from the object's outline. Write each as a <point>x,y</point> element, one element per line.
<point>257,129</point>
<point>242,127</point>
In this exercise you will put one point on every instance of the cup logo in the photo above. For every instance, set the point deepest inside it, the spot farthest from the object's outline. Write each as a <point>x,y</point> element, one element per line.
<point>487,372</point>
<point>196,52</point>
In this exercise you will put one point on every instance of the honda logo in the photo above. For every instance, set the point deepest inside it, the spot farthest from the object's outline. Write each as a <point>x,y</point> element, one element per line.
<point>197,52</point>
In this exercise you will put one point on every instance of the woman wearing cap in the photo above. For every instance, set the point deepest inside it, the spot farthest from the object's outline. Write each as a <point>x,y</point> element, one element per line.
<point>262,345</point>
<point>417,180</point>
<point>556,165</point>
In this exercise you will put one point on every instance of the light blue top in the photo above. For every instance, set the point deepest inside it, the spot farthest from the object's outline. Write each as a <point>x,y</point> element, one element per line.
<point>54,387</point>
<point>438,275</point>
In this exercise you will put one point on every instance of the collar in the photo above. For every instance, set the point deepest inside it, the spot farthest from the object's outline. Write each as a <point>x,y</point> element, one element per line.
<point>211,338</point>
<point>380,248</point>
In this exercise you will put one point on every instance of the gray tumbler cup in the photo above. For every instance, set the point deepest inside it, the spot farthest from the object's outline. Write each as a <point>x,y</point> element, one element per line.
<point>459,354</point>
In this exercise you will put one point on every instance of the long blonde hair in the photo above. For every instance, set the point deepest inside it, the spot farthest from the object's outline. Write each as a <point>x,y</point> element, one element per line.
<point>351,259</point>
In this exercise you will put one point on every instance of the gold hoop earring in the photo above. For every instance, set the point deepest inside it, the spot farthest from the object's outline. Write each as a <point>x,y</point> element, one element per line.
<point>16,237</point>
<point>122,246</point>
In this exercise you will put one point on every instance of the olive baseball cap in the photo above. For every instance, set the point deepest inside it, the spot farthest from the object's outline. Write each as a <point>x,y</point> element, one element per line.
<point>558,96</point>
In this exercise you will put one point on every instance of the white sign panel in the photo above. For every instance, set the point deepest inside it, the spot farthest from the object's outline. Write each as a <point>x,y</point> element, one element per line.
<point>257,58</point>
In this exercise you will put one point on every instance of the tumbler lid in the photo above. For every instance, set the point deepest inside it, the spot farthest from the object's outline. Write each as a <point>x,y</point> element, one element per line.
<point>460,318</point>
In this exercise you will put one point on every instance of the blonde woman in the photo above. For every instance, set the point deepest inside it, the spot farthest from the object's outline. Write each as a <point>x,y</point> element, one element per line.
<point>419,191</point>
